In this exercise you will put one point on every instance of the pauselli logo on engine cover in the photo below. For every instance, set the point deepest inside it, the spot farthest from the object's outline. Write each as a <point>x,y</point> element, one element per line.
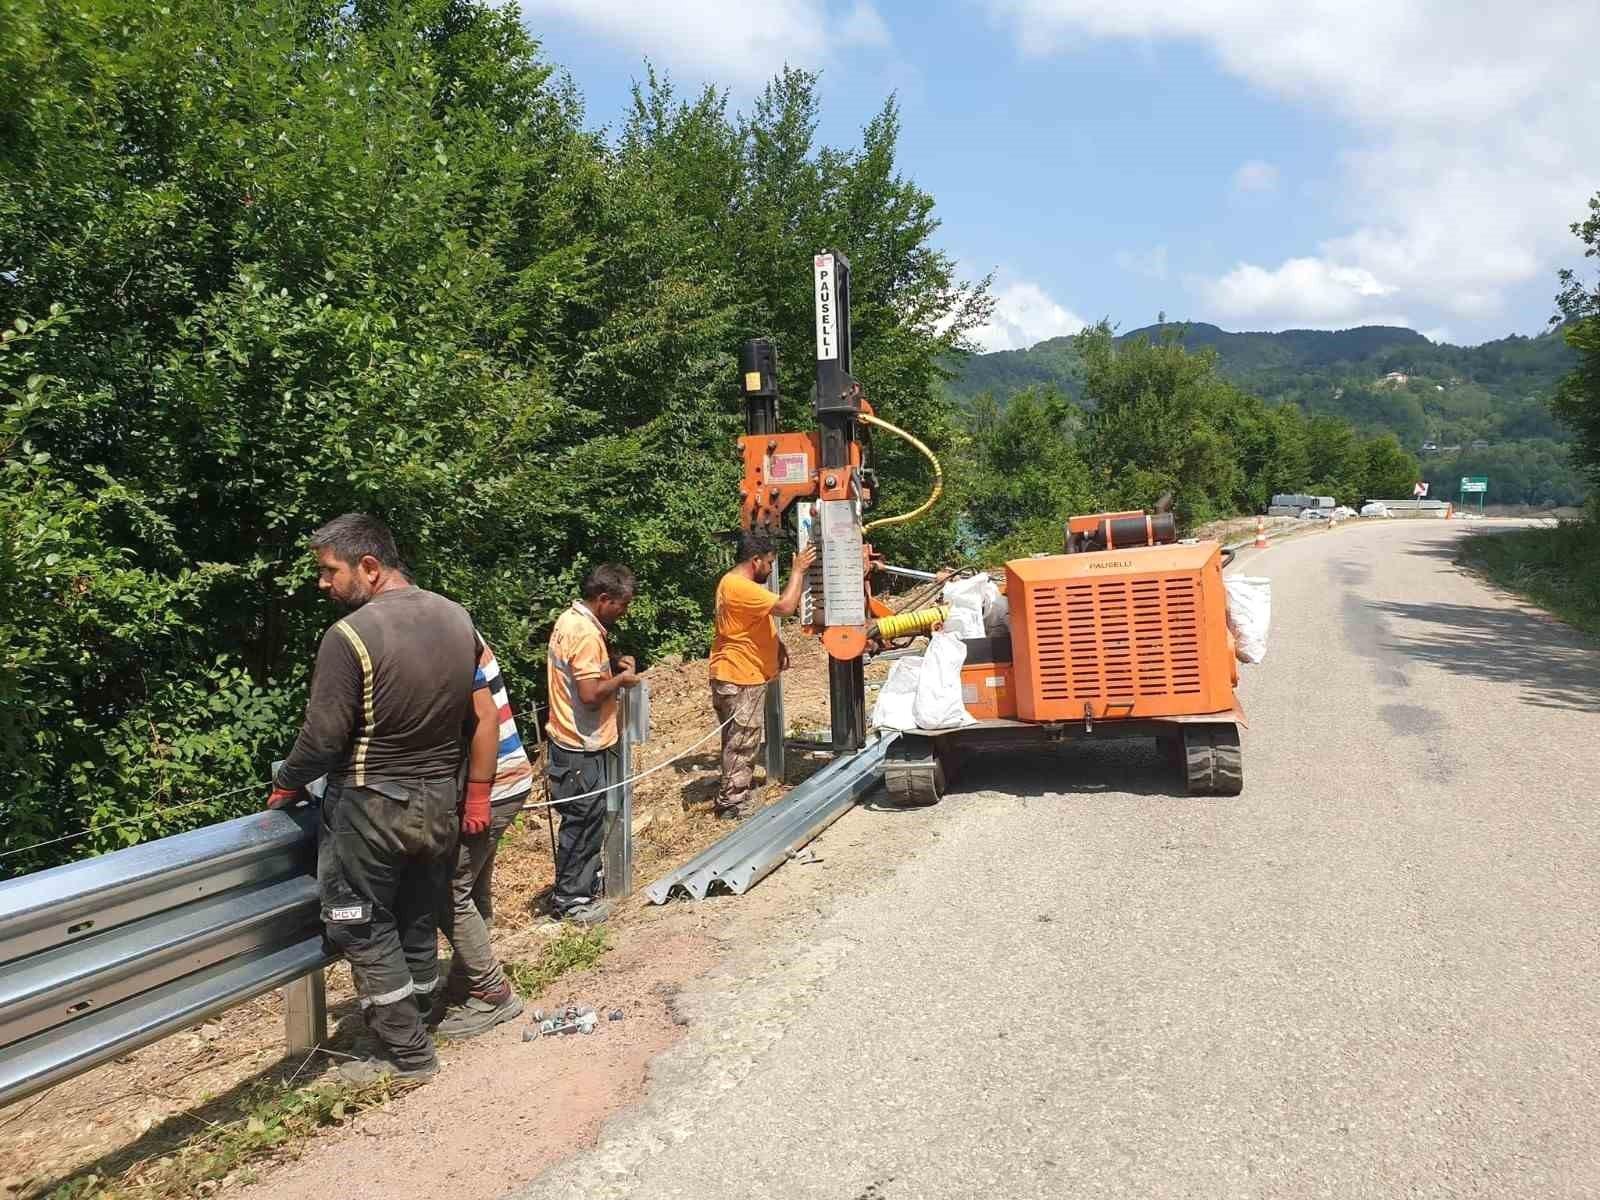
<point>1109,566</point>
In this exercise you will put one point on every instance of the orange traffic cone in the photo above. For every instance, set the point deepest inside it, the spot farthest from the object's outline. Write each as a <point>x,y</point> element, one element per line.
<point>1261,534</point>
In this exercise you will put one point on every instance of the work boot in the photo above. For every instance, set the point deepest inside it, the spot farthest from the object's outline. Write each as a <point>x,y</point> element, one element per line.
<point>478,1014</point>
<point>728,812</point>
<point>593,913</point>
<point>364,1071</point>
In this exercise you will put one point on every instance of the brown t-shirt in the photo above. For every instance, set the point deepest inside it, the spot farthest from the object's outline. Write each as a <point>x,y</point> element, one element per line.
<point>391,695</point>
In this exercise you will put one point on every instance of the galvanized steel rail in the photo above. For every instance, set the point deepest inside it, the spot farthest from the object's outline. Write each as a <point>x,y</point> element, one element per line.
<point>100,957</point>
<point>764,842</point>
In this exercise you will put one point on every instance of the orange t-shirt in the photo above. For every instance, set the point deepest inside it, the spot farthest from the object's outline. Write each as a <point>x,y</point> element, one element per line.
<point>578,651</point>
<point>746,646</point>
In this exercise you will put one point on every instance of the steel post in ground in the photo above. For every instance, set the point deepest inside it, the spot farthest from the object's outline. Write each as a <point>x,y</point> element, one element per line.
<point>305,1012</point>
<point>616,839</point>
<point>774,747</point>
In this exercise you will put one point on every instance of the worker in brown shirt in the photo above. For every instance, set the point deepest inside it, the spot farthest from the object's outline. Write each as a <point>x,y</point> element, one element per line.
<point>388,721</point>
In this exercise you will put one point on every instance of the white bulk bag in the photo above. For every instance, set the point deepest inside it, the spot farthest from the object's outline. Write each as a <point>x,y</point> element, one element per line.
<point>1249,613</point>
<point>939,703</point>
<point>892,709</point>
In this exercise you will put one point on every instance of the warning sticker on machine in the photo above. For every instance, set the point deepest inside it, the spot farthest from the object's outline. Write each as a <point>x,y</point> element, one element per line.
<point>787,468</point>
<point>843,593</point>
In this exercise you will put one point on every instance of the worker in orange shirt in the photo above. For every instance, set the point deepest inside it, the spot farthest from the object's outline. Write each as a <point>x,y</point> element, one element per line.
<point>746,655</point>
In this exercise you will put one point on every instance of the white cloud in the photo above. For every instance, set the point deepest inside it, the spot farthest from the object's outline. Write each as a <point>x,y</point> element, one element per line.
<point>864,27</point>
<point>1302,291</point>
<point>1474,127</point>
<point>738,41</point>
<point>1256,176</point>
<point>1151,263</point>
<point>1024,314</point>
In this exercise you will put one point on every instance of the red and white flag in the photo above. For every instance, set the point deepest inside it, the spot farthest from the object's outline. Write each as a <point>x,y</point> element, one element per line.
<point>1420,490</point>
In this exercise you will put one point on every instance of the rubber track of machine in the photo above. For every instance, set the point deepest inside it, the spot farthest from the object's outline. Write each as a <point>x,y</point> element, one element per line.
<point>1213,762</point>
<point>1227,761</point>
<point>1198,760</point>
<point>913,776</point>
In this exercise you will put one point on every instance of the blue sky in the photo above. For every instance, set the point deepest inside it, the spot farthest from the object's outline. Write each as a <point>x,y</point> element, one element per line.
<point>1246,162</point>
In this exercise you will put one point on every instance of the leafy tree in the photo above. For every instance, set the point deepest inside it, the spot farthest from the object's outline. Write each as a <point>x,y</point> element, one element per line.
<point>1577,400</point>
<point>1388,472</point>
<point>1026,476</point>
<point>1158,426</point>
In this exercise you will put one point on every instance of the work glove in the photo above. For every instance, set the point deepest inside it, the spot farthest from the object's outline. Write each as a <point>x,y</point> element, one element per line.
<point>475,809</point>
<point>283,797</point>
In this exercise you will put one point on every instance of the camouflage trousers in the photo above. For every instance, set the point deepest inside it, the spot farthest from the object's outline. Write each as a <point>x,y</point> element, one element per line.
<point>742,706</point>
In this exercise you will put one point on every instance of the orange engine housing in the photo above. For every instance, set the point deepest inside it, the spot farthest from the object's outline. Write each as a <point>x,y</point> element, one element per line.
<point>1141,632</point>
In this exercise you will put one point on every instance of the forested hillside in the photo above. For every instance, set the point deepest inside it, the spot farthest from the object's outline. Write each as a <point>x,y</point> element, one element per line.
<point>1478,410</point>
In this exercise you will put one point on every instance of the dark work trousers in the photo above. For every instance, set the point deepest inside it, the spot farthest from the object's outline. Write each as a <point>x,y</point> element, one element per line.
<point>469,911</point>
<point>572,773</point>
<point>383,863</point>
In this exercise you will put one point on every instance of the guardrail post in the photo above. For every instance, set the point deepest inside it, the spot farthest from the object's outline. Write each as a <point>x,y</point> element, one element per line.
<point>616,842</point>
<point>774,731</point>
<point>305,1012</point>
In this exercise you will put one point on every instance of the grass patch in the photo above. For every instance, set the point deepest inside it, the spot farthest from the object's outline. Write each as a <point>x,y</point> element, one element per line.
<point>1558,568</point>
<point>273,1119</point>
<point>574,949</point>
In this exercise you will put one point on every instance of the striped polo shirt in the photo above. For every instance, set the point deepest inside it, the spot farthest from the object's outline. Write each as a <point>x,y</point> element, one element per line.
<point>513,774</point>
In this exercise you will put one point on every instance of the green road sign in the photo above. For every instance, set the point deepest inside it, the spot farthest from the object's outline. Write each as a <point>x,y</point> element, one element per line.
<point>1474,483</point>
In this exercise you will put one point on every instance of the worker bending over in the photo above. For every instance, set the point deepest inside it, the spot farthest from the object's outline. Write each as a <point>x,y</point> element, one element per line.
<point>387,721</point>
<point>477,995</point>
<point>746,655</point>
<point>582,755</point>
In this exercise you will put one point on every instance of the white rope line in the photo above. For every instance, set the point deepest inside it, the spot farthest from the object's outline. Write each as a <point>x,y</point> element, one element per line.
<point>150,816</point>
<point>163,812</point>
<point>660,766</point>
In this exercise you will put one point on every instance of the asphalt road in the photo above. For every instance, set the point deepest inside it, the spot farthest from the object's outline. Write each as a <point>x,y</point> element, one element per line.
<point>1375,973</point>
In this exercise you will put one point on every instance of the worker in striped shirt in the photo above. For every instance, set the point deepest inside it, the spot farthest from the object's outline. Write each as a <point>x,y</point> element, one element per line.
<point>499,777</point>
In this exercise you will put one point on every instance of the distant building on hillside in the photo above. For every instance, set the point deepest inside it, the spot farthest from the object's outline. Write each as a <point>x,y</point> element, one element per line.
<point>1430,447</point>
<point>1395,379</point>
<point>1480,444</point>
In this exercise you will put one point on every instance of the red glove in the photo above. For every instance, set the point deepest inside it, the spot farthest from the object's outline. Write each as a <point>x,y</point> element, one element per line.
<point>475,811</point>
<point>283,797</point>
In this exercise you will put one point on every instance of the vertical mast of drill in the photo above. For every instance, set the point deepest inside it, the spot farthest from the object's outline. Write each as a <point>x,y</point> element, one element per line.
<point>838,407</point>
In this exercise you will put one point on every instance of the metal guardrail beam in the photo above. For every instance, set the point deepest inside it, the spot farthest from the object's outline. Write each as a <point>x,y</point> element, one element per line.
<point>778,828</point>
<point>661,890</point>
<point>864,772</point>
<point>45,1059</point>
<point>109,954</point>
<point>47,989</point>
<point>60,905</point>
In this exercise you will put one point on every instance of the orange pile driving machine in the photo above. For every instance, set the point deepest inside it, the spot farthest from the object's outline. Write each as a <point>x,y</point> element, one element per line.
<point>1123,635</point>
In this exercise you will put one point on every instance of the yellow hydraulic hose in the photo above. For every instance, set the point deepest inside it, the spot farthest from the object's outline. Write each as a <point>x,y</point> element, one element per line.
<point>938,475</point>
<point>904,624</point>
